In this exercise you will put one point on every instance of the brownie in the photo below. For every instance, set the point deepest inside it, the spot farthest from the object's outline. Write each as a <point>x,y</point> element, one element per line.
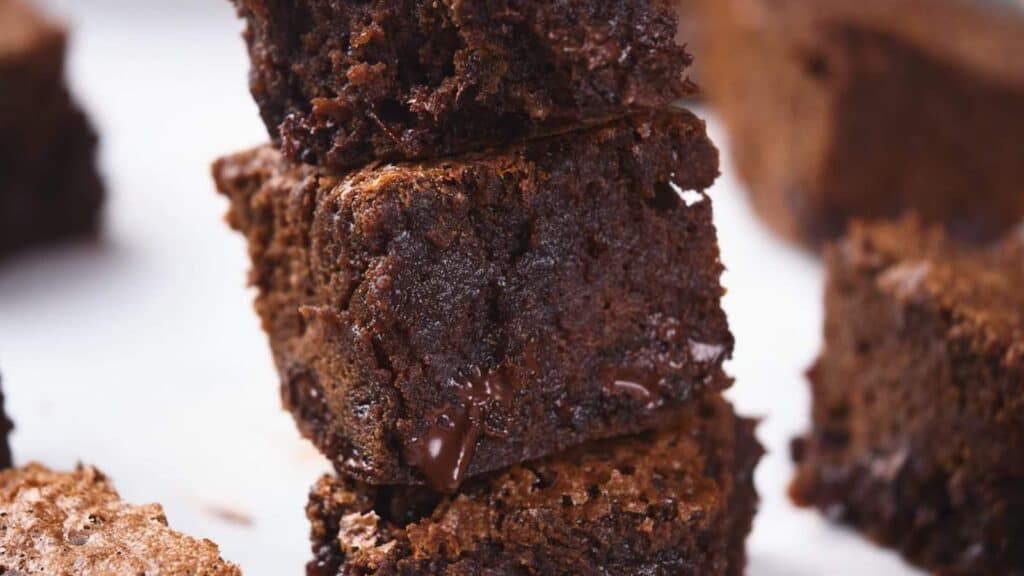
<point>678,500</point>
<point>5,429</point>
<point>75,523</point>
<point>432,321</point>
<point>843,110</point>
<point>49,188</point>
<point>342,83</point>
<point>918,418</point>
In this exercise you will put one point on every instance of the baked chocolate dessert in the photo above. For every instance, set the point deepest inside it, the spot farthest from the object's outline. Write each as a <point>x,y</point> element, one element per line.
<point>678,500</point>
<point>870,109</point>
<point>75,523</point>
<point>918,434</point>
<point>434,321</point>
<point>49,188</point>
<point>5,429</point>
<point>340,84</point>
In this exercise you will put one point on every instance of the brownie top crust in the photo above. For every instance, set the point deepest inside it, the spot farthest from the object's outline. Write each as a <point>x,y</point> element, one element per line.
<point>977,290</point>
<point>75,523</point>
<point>340,84</point>
<point>675,500</point>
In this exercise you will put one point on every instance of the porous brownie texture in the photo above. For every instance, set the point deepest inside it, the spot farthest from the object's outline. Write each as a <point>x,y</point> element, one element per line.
<point>75,523</point>
<point>678,500</point>
<point>918,435</point>
<point>433,321</point>
<point>49,187</point>
<point>867,110</point>
<point>342,83</point>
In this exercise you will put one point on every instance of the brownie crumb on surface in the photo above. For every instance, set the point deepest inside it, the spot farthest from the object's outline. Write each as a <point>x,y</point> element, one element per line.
<point>918,435</point>
<point>678,500</point>
<point>49,187</point>
<point>75,523</point>
<point>433,321</point>
<point>340,84</point>
<point>842,110</point>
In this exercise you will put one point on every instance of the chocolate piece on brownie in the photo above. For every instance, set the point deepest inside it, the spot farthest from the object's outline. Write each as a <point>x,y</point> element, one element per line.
<point>433,321</point>
<point>75,523</point>
<point>677,500</point>
<point>49,187</point>
<point>342,83</point>
<point>918,434</point>
<point>844,110</point>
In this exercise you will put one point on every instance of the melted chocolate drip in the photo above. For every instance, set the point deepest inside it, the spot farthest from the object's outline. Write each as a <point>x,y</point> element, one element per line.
<point>444,452</point>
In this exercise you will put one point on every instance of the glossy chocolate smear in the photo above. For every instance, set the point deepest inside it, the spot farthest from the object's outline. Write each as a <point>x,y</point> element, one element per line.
<point>444,452</point>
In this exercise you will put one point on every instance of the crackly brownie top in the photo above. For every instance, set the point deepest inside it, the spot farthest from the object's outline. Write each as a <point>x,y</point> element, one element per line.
<point>21,27</point>
<point>642,492</point>
<point>75,523</point>
<point>978,290</point>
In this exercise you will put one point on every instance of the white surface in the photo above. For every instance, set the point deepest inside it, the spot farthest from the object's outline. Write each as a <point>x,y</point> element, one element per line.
<point>141,354</point>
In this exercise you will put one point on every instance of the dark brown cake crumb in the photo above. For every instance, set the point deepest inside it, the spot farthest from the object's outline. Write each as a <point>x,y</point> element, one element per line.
<point>869,109</point>
<point>341,84</point>
<point>434,321</point>
<point>918,434</point>
<point>75,523</point>
<point>675,501</point>
<point>49,188</point>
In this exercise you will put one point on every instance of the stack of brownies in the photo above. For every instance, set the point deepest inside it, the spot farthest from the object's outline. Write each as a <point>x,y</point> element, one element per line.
<point>490,278</point>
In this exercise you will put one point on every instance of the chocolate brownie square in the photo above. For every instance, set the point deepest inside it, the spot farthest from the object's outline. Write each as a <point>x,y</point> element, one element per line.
<point>844,110</point>
<point>342,83</point>
<point>75,523</point>
<point>433,321</point>
<point>918,435</point>
<point>49,188</point>
<point>677,500</point>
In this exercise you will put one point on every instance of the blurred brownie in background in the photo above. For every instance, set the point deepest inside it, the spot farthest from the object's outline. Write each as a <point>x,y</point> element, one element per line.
<point>340,84</point>
<point>871,108</point>
<point>433,321</point>
<point>676,500</point>
<point>49,188</point>
<point>75,523</point>
<point>918,418</point>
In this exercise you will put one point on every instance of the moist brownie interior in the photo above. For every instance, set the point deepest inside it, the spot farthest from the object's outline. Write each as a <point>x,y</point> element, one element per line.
<point>497,306</point>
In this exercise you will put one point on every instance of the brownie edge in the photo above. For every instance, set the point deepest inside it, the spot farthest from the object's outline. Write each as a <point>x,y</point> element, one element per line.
<point>75,523</point>
<point>678,500</point>
<point>501,305</point>
<point>5,429</point>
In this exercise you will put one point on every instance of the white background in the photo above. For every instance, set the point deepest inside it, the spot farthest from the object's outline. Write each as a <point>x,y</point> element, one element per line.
<point>141,353</point>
